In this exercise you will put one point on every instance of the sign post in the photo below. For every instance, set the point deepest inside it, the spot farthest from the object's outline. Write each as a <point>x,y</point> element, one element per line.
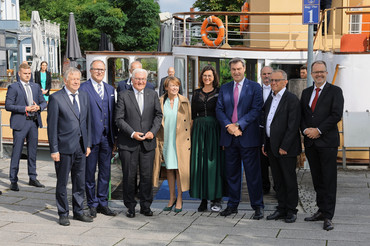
<point>310,16</point>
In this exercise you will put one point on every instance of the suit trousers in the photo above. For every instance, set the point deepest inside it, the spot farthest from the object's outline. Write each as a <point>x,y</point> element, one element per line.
<point>130,161</point>
<point>75,164</point>
<point>101,155</point>
<point>285,182</point>
<point>235,156</point>
<point>30,133</point>
<point>323,165</point>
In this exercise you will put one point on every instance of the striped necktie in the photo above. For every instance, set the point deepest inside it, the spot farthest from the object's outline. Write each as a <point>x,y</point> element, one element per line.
<point>100,91</point>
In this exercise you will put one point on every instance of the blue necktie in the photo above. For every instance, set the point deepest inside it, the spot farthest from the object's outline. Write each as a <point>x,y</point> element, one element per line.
<point>75,105</point>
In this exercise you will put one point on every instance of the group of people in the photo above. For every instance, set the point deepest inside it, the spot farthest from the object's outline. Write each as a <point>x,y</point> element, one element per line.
<point>200,146</point>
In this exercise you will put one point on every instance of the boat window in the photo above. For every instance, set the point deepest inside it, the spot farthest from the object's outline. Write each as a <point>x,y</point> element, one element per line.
<point>151,65</point>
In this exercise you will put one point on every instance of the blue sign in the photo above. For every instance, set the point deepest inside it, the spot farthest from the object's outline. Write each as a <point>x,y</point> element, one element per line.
<point>311,11</point>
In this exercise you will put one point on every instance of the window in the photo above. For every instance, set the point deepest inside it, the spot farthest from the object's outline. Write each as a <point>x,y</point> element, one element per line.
<point>355,22</point>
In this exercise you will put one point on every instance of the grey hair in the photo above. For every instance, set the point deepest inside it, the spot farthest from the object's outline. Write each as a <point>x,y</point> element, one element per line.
<point>69,71</point>
<point>319,62</point>
<point>285,76</point>
<point>139,70</point>
<point>236,60</point>
<point>267,67</point>
<point>97,60</point>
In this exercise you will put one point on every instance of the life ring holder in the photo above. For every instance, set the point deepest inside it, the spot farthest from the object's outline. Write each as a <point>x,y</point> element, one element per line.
<point>221,31</point>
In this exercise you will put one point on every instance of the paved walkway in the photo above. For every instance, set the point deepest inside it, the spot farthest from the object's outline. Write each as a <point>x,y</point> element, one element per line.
<point>29,217</point>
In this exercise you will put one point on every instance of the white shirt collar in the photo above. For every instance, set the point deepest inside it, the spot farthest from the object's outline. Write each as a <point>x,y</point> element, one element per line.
<point>25,83</point>
<point>69,92</point>
<point>321,87</point>
<point>240,83</point>
<point>280,93</point>
<point>136,91</point>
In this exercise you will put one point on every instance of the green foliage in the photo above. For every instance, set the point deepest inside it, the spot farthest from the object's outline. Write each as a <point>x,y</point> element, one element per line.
<point>220,5</point>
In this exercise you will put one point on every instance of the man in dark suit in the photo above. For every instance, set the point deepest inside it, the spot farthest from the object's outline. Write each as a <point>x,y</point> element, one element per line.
<point>138,118</point>
<point>266,92</point>
<point>102,106</point>
<point>171,73</point>
<point>322,109</point>
<point>238,111</point>
<point>25,100</point>
<point>69,134</point>
<point>282,144</point>
<point>127,84</point>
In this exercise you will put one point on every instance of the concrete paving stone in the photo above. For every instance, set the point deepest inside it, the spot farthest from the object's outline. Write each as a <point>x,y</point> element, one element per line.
<point>279,224</point>
<point>256,241</point>
<point>7,199</point>
<point>342,243</point>
<point>331,235</point>
<point>11,236</point>
<point>219,221</point>
<point>191,244</point>
<point>30,194</point>
<point>48,228</point>
<point>129,241</point>
<point>10,208</point>
<point>352,220</point>
<point>22,217</point>
<point>211,236</point>
<point>39,203</point>
<point>173,226</point>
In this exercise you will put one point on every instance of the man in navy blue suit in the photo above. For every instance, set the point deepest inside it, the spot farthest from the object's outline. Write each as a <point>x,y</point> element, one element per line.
<point>127,84</point>
<point>102,104</point>
<point>238,111</point>
<point>25,100</point>
<point>69,133</point>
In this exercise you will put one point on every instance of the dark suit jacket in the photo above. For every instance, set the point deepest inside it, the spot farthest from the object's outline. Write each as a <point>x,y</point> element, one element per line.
<point>122,86</point>
<point>64,126</point>
<point>161,89</point>
<point>16,102</point>
<point>328,112</point>
<point>97,127</point>
<point>48,81</point>
<point>249,110</point>
<point>284,128</point>
<point>129,119</point>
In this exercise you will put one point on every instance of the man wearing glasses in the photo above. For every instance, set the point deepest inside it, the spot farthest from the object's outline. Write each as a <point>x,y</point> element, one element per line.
<point>103,132</point>
<point>282,144</point>
<point>322,109</point>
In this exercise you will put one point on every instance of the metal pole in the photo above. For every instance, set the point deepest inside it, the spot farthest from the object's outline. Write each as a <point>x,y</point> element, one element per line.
<point>1,137</point>
<point>309,54</point>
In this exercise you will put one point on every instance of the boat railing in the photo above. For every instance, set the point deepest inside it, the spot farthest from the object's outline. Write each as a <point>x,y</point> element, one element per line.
<point>274,30</point>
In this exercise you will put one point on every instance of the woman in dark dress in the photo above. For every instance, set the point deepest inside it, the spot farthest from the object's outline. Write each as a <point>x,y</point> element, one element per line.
<point>43,78</point>
<point>206,168</point>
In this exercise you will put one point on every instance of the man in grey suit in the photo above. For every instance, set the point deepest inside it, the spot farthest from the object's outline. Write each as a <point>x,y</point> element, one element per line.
<point>138,118</point>
<point>171,73</point>
<point>69,135</point>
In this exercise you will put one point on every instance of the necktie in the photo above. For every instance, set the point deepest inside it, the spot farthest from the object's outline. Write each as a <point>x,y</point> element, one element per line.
<point>140,101</point>
<point>100,91</point>
<point>234,118</point>
<point>29,94</point>
<point>313,105</point>
<point>75,105</point>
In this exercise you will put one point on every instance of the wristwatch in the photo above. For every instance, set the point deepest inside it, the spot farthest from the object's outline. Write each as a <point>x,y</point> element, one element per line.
<point>237,124</point>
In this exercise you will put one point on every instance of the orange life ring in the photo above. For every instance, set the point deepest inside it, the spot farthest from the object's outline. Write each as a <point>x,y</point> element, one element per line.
<point>221,31</point>
<point>212,29</point>
<point>244,19</point>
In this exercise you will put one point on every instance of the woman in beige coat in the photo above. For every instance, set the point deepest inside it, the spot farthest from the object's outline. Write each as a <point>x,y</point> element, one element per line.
<point>173,143</point>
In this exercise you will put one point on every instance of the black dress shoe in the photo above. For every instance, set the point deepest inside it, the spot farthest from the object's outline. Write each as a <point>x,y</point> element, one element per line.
<point>146,212</point>
<point>92,212</point>
<point>228,211</point>
<point>64,221</point>
<point>258,214</point>
<point>276,215</point>
<point>130,213</point>
<point>315,217</point>
<point>106,211</point>
<point>36,183</point>
<point>14,186</point>
<point>328,225</point>
<point>290,218</point>
<point>203,206</point>
<point>82,217</point>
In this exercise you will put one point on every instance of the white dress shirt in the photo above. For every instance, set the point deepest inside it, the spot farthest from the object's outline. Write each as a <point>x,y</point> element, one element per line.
<point>274,105</point>
<point>266,91</point>
<point>314,92</point>
<point>71,97</point>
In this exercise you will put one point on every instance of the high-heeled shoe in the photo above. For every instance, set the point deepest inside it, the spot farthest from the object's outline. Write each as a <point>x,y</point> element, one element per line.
<point>178,210</point>
<point>170,208</point>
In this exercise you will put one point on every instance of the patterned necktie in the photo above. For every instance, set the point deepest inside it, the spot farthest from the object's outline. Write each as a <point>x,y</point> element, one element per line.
<point>313,105</point>
<point>140,101</point>
<point>29,94</point>
<point>75,105</point>
<point>100,91</point>
<point>234,118</point>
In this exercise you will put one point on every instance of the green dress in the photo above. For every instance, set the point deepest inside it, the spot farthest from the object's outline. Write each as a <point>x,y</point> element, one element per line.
<point>43,83</point>
<point>207,157</point>
<point>170,122</point>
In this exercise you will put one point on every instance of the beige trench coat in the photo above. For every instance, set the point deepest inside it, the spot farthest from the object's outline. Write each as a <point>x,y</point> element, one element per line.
<point>183,144</point>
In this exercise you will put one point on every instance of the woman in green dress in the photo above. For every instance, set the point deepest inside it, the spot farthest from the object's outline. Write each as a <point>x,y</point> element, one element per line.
<point>206,168</point>
<point>43,78</point>
<point>173,143</point>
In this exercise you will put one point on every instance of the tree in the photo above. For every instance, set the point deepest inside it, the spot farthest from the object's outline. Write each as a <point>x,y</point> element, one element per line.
<point>220,5</point>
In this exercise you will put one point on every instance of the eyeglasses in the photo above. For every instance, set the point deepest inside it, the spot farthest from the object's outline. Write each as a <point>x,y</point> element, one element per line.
<point>98,70</point>
<point>319,72</point>
<point>276,80</point>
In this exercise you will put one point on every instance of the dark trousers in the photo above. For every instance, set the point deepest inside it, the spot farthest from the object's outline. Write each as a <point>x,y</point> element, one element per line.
<point>285,182</point>
<point>75,164</point>
<point>235,155</point>
<point>265,172</point>
<point>30,133</point>
<point>130,161</point>
<point>101,155</point>
<point>323,165</point>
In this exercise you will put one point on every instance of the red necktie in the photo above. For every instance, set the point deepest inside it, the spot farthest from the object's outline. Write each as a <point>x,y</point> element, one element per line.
<point>313,105</point>
<point>234,117</point>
